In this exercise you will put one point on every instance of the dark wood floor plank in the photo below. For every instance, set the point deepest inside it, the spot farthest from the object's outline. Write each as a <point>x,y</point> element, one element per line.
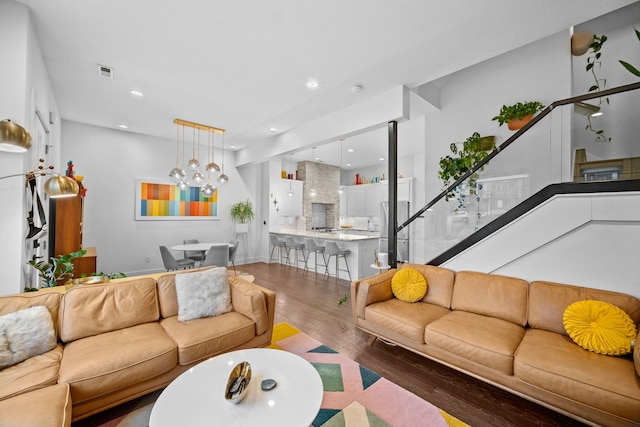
<point>310,303</point>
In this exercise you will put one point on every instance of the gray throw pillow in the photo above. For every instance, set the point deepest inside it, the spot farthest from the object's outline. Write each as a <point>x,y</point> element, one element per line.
<point>203,294</point>
<point>24,334</point>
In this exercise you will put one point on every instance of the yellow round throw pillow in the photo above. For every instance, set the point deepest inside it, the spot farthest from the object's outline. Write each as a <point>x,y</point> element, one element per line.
<point>600,327</point>
<point>409,285</point>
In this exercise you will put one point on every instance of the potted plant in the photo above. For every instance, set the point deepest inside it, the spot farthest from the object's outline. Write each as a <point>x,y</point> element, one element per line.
<point>519,114</point>
<point>56,269</point>
<point>242,213</point>
<point>633,70</point>
<point>463,160</point>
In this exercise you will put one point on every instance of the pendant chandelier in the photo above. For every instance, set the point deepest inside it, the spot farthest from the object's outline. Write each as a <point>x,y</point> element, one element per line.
<point>178,174</point>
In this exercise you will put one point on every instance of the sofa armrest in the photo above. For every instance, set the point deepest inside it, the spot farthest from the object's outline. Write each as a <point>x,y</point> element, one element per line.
<point>636,354</point>
<point>253,301</point>
<point>370,290</point>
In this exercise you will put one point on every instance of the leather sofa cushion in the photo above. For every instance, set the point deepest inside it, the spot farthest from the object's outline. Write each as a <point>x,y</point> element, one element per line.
<point>96,309</point>
<point>439,283</point>
<point>549,300</point>
<point>488,341</point>
<point>51,300</point>
<point>554,363</point>
<point>491,295</point>
<point>34,373</point>
<point>199,339</point>
<point>45,407</point>
<point>105,363</point>
<point>249,301</point>
<point>404,318</point>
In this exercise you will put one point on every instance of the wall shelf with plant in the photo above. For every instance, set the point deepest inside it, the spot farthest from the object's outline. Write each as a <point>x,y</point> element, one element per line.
<point>518,114</point>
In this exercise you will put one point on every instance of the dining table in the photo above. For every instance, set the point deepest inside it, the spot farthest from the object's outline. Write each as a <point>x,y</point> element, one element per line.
<point>198,246</point>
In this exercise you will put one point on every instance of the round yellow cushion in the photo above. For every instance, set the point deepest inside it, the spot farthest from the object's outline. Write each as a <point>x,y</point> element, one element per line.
<point>409,285</point>
<point>600,327</point>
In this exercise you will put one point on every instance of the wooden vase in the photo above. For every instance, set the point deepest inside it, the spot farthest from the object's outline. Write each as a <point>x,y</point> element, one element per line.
<point>516,124</point>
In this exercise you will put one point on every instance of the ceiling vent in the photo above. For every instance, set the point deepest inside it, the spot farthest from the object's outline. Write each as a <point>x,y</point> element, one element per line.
<point>105,71</point>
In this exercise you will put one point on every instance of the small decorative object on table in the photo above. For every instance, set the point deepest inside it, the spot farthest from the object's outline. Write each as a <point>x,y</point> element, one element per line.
<point>268,384</point>
<point>238,383</point>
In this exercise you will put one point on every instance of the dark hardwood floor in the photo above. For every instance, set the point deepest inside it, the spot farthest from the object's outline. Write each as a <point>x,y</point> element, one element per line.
<point>310,303</point>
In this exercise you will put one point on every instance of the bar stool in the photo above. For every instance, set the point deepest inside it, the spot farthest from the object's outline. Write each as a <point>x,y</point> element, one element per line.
<point>277,243</point>
<point>311,246</point>
<point>293,244</point>
<point>332,249</point>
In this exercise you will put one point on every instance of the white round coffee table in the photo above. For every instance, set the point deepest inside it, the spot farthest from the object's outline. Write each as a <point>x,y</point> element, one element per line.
<point>196,398</point>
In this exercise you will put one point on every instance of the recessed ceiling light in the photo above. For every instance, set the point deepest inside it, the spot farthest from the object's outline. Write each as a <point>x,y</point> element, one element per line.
<point>381,159</point>
<point>136,93</point>
<point>232,146</point>
<point>356,88</point>
<point>123,126</point>
<point>348,164</point>
<point>273,129</point>
<point>350,150</point>
<point>316,158</point>
<point>312,84</point>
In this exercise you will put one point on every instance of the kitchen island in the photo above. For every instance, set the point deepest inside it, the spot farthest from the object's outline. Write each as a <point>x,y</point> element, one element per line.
<point>362,249</point>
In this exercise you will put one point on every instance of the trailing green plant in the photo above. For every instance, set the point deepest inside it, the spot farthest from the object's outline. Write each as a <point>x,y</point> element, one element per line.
<point>594,63</point>
<point>633,70</point>
<point>454,167</point>
<point>56,269</point>
<point>517,111</point>
<point>107,275</point>
<point>242,212</point>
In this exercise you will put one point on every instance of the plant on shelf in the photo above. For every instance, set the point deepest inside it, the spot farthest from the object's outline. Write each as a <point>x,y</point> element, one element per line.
<point>633,70</point>
<point>593,64</point>
<point>462,161</point>
<point>518,114</point>
<point>56,269</point>
<point>242,212</point>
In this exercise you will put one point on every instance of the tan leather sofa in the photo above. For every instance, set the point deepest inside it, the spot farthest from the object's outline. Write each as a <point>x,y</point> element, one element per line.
<point>509,333</point>
<point>119,341</point>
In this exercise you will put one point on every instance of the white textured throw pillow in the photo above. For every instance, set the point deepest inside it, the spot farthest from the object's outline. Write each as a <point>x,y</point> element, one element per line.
<point>203,294</point>
<point>24,334</point>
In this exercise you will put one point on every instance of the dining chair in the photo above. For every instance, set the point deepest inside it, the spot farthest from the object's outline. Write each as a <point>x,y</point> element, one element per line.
<point>218,255</point>
<point>197,256</point>
<point>171,263</point>
<point>232,252</point>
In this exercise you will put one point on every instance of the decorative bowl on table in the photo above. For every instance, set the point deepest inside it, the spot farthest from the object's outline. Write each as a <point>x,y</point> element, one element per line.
<point>238,383</point>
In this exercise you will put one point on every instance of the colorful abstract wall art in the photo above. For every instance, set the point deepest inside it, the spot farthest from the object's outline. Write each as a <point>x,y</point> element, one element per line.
<point>163,201</point>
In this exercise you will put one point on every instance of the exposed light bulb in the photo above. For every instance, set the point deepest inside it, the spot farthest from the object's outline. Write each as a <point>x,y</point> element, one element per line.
<point>197,177</point>
<point>194,164</point>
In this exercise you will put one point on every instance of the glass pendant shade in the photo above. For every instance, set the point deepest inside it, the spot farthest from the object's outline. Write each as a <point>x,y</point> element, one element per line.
<point>313,192</point>
<point>341,189</point>
<point>177,174</point>
<point>197,177</point>
<point>222,178</point>
<point>194,164</point>
<point>182,185</point>
<point>212,167</point>
<point>207,190</point>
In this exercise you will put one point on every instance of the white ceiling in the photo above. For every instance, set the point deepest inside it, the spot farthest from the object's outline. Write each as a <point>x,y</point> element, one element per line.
<point>243,65</point>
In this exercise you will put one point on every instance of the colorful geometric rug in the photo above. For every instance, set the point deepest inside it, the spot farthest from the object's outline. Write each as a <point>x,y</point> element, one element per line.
<point>354,396</point>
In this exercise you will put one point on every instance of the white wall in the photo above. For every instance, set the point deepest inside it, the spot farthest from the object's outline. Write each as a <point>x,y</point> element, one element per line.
<point>110,161</point>
<point>24,88</point>
<point>587,240</point>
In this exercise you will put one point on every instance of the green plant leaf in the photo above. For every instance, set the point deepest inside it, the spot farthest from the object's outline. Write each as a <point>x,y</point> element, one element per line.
<point>633,70</point>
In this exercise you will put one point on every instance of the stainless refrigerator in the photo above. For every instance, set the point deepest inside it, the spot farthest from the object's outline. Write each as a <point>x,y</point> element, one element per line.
<point>403,236</point>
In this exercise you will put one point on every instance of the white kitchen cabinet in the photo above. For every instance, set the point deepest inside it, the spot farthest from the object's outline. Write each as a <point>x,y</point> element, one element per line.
<point>290,205</point>
<point>404,191</point>
<point>362,200</point>
<point>343,202</point>
<point>356,199</point>
<point>373,198</point>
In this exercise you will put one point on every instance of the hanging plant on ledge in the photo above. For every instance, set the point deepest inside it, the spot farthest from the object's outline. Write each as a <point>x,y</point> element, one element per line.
<point>593,64</point>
